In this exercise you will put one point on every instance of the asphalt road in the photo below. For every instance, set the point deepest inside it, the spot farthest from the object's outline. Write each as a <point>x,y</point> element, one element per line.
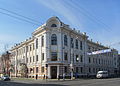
<point>80,82</point>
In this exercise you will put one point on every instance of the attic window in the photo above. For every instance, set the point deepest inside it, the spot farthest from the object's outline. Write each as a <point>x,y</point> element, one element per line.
<point>53,25</point>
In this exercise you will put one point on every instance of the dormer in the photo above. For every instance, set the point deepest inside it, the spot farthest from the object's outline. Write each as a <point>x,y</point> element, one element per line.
<point>53,22</point>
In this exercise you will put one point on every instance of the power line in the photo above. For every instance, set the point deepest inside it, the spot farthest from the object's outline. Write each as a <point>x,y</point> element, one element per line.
<point>19,18</point>
<point>87,14</point>
<point>19,15</point>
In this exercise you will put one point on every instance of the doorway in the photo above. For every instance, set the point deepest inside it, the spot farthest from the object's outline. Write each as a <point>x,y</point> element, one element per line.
<point>53,72</point>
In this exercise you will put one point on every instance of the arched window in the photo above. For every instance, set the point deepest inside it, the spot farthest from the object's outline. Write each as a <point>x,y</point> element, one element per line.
<point>53,25</point>
<point>65,40</point>
<point>53,39</point>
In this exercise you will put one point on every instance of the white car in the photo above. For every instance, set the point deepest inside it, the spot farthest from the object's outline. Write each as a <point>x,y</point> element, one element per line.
<point>102,74</point>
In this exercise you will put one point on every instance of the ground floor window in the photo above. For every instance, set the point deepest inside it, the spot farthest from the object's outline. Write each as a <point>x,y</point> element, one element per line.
<point>65,69</point>
<point>42,69</point>
<point>81,69</point>
<point>36,69</point>
<point>77,69</point>
<point>89,70</point>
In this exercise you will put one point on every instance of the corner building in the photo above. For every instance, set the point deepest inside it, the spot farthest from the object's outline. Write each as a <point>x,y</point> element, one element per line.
<point>55,49</point>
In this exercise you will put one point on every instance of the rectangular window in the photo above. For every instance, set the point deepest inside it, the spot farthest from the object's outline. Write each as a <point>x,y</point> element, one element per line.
<point>65,69</point>
<point>36,57</point>
<point>77,58</point>
<point>26,48</point>
<point>42,69</point>
<point>30,48</point>
<point>53,39</point>
<point>36,43</point>
<point>33,59</point>
<point>54,56</point>
<point>33,46</point>
<point>42,41</point>
<point>93,60</point>
<point>81,58</point>
<point>89,70</point>
<point>30,59</point>
<point>76,44</point>
<point>81,69</point>
<point>73,58</point>
<point>33,70</point>
<point>96,60</point>
<point>77,69</point>
<point>99,61</point>
<point>72,43</point>
<point>81,47</point>
<point>93,70</point>
<point>89,60</point>
<point>36,69</point>
<point>42,56</point>
<point>65,40</point>
<point>65,56</point>
<point>27,60</point>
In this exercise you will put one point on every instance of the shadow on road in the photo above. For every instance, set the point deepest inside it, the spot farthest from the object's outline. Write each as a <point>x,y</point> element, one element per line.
<point>9,83</point>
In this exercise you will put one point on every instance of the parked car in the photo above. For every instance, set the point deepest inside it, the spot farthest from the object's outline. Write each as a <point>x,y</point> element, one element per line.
<point>5,78</point>
<point>102,74</point>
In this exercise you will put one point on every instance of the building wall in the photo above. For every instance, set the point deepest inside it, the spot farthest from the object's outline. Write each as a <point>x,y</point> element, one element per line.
<point>78,61</point>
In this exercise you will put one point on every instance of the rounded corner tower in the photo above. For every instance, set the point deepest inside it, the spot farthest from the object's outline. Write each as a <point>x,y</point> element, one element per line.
<point>53,22</point>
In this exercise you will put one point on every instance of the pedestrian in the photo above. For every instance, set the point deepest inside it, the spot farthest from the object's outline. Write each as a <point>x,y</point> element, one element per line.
<point>44,76</point>
<point>58,77</point>
<point>36,76</point>
<point>87,75</point>
<point>63,76</point>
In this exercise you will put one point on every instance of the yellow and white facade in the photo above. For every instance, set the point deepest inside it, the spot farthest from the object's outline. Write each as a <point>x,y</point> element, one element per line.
<point>55,49</point>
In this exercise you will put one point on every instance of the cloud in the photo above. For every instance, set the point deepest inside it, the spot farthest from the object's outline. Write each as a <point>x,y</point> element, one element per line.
<point>63,9</point>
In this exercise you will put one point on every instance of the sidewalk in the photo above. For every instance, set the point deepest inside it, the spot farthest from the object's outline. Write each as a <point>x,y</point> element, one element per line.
<point>39,80</point>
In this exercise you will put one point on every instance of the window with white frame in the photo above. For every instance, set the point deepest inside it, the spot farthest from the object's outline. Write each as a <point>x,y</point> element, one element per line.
<point>53,39</point>
<point>65,40</point>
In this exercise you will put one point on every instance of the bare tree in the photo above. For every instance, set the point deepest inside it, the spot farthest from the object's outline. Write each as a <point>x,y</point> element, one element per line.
<point>5,63</point>
<point>23,70</point>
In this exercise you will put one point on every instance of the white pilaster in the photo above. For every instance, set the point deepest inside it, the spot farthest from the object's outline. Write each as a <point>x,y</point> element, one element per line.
<point>49,72</point>
<point>58,71</point>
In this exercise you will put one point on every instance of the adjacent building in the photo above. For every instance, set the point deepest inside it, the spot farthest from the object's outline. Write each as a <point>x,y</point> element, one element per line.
<point>56,49</point>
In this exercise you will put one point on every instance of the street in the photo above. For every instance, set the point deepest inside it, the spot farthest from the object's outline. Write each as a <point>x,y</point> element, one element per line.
<point>79,82</point>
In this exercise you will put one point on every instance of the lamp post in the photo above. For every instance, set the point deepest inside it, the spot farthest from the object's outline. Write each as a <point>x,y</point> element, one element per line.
<point>62,62</point>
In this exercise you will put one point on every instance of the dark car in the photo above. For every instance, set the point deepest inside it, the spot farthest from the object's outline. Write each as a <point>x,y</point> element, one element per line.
<point>5,78</point>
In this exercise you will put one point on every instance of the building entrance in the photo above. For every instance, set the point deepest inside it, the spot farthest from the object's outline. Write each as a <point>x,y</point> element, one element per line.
<point>53,72</point>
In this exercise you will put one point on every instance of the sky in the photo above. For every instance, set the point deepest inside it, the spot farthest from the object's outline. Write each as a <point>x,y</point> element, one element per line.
<point>100,19</point>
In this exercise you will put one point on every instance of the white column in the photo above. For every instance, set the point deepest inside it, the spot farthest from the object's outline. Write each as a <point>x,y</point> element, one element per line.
<point>47,45</point>
<point>39,49</point>
<point>59,43</point>
<point>85,56</point>
<point>58,71</point>
<point>15,66</point>
<point>49,72</point>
